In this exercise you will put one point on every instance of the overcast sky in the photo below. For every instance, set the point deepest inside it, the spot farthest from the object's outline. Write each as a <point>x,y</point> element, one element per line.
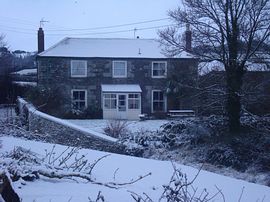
<point>19,19</point>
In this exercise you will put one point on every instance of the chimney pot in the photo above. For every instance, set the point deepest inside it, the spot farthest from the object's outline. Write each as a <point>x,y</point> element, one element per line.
<point>40,40</point>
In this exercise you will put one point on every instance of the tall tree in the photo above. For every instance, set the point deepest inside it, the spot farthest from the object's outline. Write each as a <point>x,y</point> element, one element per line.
<point>5,68</point>
<point>230,31</point>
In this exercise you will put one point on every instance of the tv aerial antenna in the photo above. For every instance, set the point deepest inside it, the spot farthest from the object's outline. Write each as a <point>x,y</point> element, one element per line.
<point>41,22</point>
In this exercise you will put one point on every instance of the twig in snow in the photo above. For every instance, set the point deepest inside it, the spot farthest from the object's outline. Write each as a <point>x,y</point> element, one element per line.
<point>114,174</point>
<point>242,191</point>
<point>95,163</point>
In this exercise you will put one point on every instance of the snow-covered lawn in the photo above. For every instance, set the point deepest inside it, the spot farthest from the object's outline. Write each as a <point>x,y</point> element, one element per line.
<point>127,168</point>
<point>133,126</point>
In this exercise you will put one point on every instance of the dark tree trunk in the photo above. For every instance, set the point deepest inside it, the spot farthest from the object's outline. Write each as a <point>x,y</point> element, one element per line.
<point>234,84</point>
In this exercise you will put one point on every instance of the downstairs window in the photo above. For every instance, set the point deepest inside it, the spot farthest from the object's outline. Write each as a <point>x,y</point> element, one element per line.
<point>79,99</point>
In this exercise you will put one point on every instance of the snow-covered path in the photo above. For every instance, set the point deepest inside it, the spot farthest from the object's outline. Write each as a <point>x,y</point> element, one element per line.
<point>127,168</point>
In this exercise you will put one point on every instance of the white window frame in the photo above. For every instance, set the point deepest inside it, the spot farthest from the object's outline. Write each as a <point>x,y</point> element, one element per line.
<point>160,76</point>
<point>152,101</point>
<point>139,99</point>
<point>103,100</point>
<point>80,90</point>
<point>113,66</point>
<point>85,70</point>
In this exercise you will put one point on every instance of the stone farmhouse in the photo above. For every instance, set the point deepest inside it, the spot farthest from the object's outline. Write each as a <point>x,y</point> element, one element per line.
<point>123,77</point>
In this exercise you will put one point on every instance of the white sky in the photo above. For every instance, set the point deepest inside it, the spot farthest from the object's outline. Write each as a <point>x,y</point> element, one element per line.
<point>19,19</point>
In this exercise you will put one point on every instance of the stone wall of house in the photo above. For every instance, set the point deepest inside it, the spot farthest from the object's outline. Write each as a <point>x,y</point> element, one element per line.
<point>61,132</point>
<point>56,72</point>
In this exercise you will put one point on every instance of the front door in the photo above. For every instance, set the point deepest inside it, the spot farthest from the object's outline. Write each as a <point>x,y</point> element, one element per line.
<point>122,106</point>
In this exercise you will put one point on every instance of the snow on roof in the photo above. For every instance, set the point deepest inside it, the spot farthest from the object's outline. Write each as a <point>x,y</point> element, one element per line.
<point>108,47</point>
<point>26,72</point>
<point>206,67</point>
<point>131,88</point>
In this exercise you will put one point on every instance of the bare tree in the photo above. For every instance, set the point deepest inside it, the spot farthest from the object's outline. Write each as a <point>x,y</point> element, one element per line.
<point>5,68</point>
<point>230,31</point>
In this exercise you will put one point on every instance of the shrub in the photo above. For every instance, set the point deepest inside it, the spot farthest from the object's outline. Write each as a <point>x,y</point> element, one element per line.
<point>116,128</point>
<point>92,112</point>
<point>48,100</point>
<point>89,113</point>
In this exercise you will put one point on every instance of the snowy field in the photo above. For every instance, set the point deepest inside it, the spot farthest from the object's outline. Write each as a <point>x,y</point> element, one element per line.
<point>133,126</point>
<point>120,168</point>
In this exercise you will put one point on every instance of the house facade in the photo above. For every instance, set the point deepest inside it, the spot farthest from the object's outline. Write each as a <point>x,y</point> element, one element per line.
<point>123,77</point>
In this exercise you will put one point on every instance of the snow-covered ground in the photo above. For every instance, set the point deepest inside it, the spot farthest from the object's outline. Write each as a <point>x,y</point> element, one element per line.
<point>125,168</point>
<point>133,126</point>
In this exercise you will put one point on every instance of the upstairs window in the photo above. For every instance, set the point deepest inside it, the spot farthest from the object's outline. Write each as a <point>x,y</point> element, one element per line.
<point>119,69</point>
<point>79,99</point>
<point>159,69</point>
<point>158,101</point>
<point>78,68</point>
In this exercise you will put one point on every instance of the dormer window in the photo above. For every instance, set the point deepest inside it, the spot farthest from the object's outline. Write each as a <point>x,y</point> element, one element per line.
<point>159,69</point>
<point>119,69</point>
<point>78,68</point>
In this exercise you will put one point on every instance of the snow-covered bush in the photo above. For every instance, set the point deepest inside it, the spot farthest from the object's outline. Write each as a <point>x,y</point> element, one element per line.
<point>207,140</point>
<point>116,128</point>
<point>221,154</point>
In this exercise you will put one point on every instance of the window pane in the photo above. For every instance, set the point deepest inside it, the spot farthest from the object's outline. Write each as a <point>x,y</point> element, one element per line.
<point>107,103</point>
<point>78,99</point>
<point>75,95</point>
<point>113,104</point>
<point>119,64</point>
<point>159,69</point>
<point>155,95</point>
<point>161,96</point>
<point>82,95</point>
<point>158,101</point>
<point>78,68</point>
<point>119,71</point>
<point>82,105</point>
<point>134,101</point>
<point>133,95</point>
<point>119,68</point>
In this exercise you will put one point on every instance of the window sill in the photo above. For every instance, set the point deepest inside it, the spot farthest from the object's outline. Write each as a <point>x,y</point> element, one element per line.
<point>159,77</point>
<point>78,76</point>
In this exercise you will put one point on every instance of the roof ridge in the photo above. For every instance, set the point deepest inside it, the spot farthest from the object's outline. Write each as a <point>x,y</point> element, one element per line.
<point>111,38</point>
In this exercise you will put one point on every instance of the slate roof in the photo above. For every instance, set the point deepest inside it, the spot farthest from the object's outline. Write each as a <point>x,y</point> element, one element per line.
<point>108,48</point>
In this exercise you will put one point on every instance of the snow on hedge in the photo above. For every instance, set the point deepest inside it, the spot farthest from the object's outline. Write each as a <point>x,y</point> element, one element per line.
<point>26,72</point>
<point>120,168</point>
<point>34,111</point>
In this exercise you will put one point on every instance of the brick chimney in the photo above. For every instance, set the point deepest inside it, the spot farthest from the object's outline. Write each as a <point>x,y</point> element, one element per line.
<point>40,40</point>
<point>188,38</point>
